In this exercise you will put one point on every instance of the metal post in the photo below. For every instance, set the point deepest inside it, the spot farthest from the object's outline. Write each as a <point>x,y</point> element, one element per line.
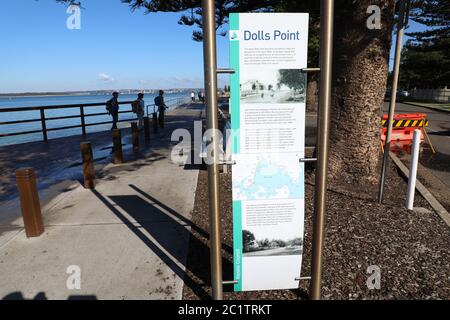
<point>326,54</point>
<point>210,68</point>
<point>135,136</point>
<point>413,169</point>
<point>88,165</point>
<point>387,144</point>
<point>146,129</point>
<point>117,146</point>
<point>44,125</point>
<point>29,202</point>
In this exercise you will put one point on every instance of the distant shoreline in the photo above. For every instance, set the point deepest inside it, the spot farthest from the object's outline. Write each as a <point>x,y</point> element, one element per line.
<point>88,93</point>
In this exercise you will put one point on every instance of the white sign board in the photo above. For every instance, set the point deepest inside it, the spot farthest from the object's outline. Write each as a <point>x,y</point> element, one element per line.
<point>268,51</point>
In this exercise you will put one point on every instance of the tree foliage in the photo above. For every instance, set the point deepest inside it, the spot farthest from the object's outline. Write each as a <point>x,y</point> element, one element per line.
<point>426,57</point>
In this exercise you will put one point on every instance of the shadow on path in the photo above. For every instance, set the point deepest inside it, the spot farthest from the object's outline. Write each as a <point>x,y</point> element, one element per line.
<point>169,234</point>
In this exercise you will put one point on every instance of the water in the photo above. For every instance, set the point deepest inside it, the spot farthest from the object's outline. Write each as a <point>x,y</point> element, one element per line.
<point>172,99</point>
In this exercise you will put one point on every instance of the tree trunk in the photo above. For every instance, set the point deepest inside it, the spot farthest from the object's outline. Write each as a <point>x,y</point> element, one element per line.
<point>360,69</point>
<point>311,94</point>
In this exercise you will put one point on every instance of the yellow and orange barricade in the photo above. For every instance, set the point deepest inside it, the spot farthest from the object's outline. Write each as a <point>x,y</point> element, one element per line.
<point>403,130</point>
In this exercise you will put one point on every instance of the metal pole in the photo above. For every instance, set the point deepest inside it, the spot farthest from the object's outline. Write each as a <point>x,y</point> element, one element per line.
<point>413,169</point>
<point>326,54</point>
<point>210,68</point>
<point>387,144</point>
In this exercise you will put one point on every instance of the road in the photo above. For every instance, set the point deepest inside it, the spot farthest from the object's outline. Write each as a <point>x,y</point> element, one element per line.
<point>439,133</point>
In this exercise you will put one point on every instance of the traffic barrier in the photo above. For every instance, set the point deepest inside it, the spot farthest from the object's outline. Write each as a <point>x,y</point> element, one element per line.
<point>88,165</point>
<point>403,130</point>
<point>29,202</point>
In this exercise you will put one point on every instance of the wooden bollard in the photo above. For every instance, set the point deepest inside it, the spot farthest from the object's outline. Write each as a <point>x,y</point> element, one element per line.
<point>155,122</point>
<point>88,165</point>
<point>117,146</point>
<point>135,136</point>
<point>146,129</point>
<point>29,202</point>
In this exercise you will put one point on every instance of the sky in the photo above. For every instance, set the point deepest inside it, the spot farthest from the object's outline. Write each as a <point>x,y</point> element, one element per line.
<point>114,49</point>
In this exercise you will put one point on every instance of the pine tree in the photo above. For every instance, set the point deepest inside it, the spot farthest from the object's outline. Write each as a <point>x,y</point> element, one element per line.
<point>426,57</point>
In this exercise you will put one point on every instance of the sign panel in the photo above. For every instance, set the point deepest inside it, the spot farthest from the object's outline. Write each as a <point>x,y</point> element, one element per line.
<point>268,51</point>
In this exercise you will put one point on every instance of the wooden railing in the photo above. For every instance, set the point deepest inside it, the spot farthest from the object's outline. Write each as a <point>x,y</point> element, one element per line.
<point>43,119</point>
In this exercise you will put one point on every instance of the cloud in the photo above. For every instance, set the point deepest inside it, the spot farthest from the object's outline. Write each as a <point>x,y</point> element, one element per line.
<point>105,77</point>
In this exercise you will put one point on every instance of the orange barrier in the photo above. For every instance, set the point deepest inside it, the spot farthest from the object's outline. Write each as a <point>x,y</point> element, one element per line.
<point>403,129</point>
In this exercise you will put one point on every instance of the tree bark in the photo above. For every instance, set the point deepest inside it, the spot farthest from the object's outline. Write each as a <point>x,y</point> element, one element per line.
<point>311,94</point>
<point>360,69</point>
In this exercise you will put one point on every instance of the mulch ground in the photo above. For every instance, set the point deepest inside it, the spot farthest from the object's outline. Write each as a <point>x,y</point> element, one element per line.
<point>412,249</point>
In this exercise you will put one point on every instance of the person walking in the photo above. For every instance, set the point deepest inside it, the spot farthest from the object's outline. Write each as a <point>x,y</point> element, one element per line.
<point>112,106</point>
<point>193,96</point>
<point>138,107</point>
<point>159,102</point>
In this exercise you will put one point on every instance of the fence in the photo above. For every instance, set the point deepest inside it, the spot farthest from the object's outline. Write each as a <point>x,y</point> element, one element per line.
<point>82,115</point>
<point>436,95</point>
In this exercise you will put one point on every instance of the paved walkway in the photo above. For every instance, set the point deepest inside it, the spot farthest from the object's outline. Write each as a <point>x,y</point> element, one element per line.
<point>128,237</point>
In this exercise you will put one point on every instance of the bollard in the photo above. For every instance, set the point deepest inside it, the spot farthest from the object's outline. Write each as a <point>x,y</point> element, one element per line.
<point>88,165</point>
<point>117,146</point>
<point>161,118</point>
<point>146,129</point>
<point>413,169</point>
<point>135,136</point>
<point>29,202</point>
<point>155,122</point>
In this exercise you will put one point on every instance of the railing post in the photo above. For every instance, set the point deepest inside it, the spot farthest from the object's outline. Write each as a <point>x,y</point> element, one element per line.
<point>44,125</point>
<point>117,146</point>
<point>146,129</point>
<point>155,122</point>
<point>135,136</point>
<point>88,165</point>
<point>29,202</point>
<point>83,122</point>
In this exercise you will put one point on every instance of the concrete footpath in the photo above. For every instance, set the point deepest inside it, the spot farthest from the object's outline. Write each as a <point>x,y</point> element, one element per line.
<point>127,239</point>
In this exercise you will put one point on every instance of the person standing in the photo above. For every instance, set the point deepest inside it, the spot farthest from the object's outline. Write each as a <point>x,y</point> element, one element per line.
<point>112,106</point>
<point>159,102</point>
<point>139,108</point>
<point>193,96</point>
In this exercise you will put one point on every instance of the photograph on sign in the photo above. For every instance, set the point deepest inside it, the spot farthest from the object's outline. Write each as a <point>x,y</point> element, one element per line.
<point>268,51</point>
<point>273,86</point>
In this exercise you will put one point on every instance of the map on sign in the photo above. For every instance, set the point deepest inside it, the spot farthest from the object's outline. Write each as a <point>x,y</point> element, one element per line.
<point>268,178</point>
